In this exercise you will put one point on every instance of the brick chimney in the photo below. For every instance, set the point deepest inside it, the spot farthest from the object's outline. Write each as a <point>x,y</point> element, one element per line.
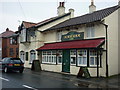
<point>61,8</point>
<point>7,29</point>
<point>92,7</point>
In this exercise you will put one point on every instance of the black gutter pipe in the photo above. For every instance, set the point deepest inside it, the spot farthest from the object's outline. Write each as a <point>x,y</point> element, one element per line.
<point>106,28</point>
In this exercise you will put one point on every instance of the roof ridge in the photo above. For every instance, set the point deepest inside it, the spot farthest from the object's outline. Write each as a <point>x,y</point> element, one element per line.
<point>29,22</point>
<point>96,11</point>
<point>86,18</point>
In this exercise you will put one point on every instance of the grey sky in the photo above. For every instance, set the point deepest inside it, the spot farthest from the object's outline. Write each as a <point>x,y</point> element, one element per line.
<point>13,11</point>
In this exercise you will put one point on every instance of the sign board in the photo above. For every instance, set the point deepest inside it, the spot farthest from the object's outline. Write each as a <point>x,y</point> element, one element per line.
<point>73,36</point>
<point>83,70</point>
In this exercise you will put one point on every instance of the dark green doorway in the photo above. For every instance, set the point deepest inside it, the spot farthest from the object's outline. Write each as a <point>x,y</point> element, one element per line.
<point>66,61</point>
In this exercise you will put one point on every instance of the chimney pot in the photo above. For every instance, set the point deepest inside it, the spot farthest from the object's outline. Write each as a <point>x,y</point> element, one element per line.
<point>61,9</point>
<point>62,4</point>
<point>72,12</point>
<point>92,7</point>
<point>7,29</point>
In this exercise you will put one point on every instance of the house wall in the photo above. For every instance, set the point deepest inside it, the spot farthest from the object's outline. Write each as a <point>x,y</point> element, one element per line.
<point>51,37</point>
<point>38,40</point>
<point>6,48</point>
<point>0,48</point>
<point>112,22</point>
<point>119,39</point>
<point>99,32</point>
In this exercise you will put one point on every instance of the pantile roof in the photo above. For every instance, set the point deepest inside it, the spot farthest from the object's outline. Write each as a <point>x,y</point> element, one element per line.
<point>87,18</point>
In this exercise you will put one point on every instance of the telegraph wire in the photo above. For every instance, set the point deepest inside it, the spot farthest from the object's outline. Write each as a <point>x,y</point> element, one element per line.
<point>22,10</point>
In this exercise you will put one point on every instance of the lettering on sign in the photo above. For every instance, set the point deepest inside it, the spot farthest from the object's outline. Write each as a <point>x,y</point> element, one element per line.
<point>73,36</point>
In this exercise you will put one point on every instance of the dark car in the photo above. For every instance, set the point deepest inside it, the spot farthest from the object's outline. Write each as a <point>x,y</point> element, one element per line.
<point>12,64</point>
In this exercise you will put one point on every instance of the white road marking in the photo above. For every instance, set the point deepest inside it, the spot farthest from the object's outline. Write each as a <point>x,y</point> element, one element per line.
<point>4,79</point>
<point>29,87</point>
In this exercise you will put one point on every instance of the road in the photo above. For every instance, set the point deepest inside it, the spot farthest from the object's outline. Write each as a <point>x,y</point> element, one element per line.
<point>35,80</point>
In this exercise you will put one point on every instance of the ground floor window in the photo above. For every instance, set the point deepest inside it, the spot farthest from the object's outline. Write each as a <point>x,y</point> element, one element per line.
<point>59,56</point>
<point>22,55</point>
<point>82,57</point>
<point>73,57</point>
<point>49,57</point>
<point>78,57</point>
<point>32,56</point>
<point>93,58</point>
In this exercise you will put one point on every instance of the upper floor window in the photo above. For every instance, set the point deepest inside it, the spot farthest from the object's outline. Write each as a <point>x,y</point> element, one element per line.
<point>59,35</point>
<point>90,31</point>
<point>23,35</point>
<point>11,52</point>
<point>13,40</point>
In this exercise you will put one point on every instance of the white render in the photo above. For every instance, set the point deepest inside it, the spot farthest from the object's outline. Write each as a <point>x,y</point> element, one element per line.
<point>112,22</point>
<point>38,40</point>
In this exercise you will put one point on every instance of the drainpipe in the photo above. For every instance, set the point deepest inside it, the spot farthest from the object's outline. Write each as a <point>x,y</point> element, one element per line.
<point>106,28</point>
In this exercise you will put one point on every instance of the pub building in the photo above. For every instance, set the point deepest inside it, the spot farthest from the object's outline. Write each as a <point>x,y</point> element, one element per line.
<point>90,40</point>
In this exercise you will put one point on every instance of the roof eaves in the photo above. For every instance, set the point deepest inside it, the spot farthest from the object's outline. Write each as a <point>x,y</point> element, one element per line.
<point>56,18</point>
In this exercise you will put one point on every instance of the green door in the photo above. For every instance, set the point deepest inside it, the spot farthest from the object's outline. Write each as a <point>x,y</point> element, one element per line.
<point>66,61</point>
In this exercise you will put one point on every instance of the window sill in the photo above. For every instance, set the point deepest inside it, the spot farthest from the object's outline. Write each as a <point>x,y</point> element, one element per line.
<point>50,63</point>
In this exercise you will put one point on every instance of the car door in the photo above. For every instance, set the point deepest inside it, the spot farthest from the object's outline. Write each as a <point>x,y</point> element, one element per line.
<point>4,63</point>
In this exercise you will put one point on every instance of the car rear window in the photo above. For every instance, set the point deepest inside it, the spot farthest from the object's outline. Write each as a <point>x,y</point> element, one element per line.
<point>15,60</point>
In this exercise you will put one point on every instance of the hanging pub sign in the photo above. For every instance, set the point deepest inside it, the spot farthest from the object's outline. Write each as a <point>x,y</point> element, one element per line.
<point>73,36</point>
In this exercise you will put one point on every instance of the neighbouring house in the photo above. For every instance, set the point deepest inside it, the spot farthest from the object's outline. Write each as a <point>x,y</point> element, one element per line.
<point>9,46</point>
<point>90,40</point>
<point>30,35</point>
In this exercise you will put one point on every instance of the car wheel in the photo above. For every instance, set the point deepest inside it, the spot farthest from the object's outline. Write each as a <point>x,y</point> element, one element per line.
<point>5,69</point>
<point>21,71</point>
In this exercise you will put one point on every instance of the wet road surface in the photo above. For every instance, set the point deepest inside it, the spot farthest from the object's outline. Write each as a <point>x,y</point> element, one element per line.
<point>34,80</point>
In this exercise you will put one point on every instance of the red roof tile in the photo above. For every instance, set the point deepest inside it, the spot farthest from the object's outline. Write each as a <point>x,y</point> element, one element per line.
<point>73,44</point>
<point>7,33</point>
<point>28,24</point>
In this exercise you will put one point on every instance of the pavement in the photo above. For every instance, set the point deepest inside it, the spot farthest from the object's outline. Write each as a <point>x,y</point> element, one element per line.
<point>101,82</point>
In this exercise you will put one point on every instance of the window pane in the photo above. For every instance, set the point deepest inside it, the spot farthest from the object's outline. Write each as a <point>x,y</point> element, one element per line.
<point>59,59</point>
<point>91,60</point>
<point>73,60</point>
<point>96,61</point>
<point>84,60</point>
<point>79,60</point>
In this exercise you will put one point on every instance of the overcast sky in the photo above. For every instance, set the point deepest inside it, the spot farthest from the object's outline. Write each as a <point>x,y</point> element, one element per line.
<point>13,12</point>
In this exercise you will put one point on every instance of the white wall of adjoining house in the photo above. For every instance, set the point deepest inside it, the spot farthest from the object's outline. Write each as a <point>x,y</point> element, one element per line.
<point>112,22</point>
<point>119,39</point>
